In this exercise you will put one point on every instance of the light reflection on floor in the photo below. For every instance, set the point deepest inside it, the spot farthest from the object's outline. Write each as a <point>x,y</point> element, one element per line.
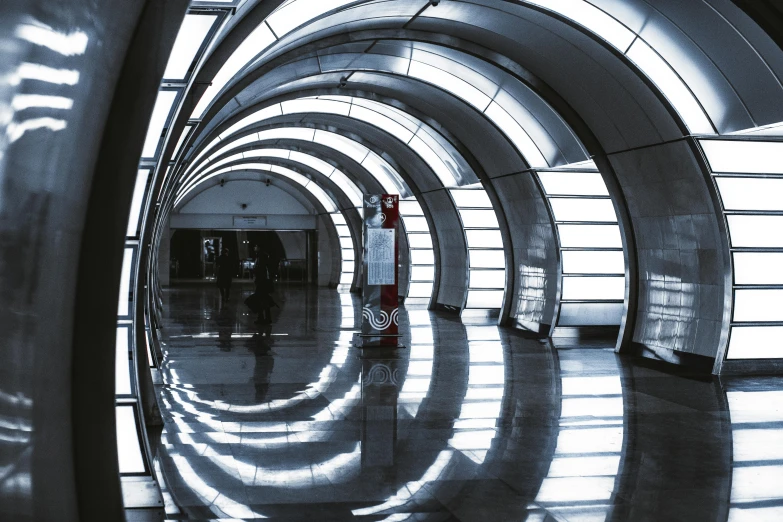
<point>470,422</point>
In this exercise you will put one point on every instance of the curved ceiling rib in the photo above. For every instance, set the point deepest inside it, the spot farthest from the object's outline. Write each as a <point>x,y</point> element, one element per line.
<point>528,121</point>
<point>478,283</point>
<point>415,224</point>
<point>489,78</point>
<point>487,280</point>
<point>693,76</point>
<point>634,79</point>
<point>443,159</point>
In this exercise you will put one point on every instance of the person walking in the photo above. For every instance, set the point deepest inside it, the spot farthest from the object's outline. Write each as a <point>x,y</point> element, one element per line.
<point>263,283</point>
<point>225,275</point>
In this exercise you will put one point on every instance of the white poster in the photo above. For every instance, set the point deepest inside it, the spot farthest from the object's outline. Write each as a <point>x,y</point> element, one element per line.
<point>381,260</point>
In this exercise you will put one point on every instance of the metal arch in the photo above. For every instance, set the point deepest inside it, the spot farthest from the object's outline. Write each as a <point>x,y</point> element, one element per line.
<point>618,198</point>
<point>470,48</point>
<point>508,243</point>
<point>350,168</point>
<point>509,285</point>
<point>289,186</point>
<point>707,59</point>
<point>342,161</point>
<point>446,45</point>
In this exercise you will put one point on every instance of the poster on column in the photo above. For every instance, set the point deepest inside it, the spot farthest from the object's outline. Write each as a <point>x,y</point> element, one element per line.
<point>380,259</point>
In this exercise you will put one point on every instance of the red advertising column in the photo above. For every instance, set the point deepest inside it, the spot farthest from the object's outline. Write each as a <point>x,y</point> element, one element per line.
<point>381,253</point>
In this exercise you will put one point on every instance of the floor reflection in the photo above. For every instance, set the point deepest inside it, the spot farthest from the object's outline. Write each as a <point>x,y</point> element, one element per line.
<point>469,422</point>
<point>582,474</point>
<point>756,409</point>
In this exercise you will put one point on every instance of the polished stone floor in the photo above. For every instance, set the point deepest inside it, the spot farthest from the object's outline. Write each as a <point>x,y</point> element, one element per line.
<point>470,423</point>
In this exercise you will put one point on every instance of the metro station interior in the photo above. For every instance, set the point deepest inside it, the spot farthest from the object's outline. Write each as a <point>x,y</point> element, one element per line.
<point>590,271</point>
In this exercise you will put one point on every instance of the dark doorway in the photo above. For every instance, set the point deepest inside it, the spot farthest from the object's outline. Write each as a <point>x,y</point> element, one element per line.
<point>290,252</point>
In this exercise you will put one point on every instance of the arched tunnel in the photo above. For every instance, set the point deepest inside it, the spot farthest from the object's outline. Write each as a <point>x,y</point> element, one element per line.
<point>590,269</point>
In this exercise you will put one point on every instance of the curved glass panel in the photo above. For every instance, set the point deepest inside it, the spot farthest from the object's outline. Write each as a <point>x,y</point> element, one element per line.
<point>751,193</point>
<point>422,255</point>
<point>190,39</point>
<point>440,156</point>
<point>261,38</point>
<point>751,205</point>
<point>161,114</point>
<point>486,255</point>
<point>586,249</point>
<point>129,447</point>
<point>758,268</point>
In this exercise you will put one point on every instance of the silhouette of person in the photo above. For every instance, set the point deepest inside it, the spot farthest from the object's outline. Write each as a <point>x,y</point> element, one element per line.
<point>225,274</point>
<point>261,346</point>
<point>263,283</point>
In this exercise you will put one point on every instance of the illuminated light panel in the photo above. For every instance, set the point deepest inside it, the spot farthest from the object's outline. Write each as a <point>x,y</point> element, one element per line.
<point>743,157</point>
<point>758,305</point>
<point>128,444</point>
<point>181,140</point>
<point>758,268</point>
<point>257,41</point>
<point>450,83</point>
<point>484,239</point>
<point>593,288</point>
<point>160,115</point>
<point>194,30</point>
<point>487,259</point>
<point>291,15</point>
<point>587,210</point>
<point>122,383</point>
<point>755,192</point>
<point>123,308</point>
<point>487,279</point>
<point>593,262</point>
<point>751,193</point>
<point>139,190</point>
<point>755,231</point>
<point>573,183</point>
<point>594,19</point>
